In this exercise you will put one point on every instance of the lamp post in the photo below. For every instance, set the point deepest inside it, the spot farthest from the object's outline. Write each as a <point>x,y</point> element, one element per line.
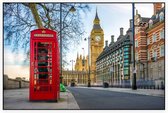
<point>89,84</point>
<point>72,9</point>
<point>83,65</point>
<point>72,67</point>
<point>134,87</point>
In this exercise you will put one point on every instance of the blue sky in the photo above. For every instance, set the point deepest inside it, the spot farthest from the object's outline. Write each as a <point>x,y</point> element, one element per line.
<point>112,18</point>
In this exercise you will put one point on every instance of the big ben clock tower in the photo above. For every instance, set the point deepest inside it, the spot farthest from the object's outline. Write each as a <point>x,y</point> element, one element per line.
<point>96,45</point>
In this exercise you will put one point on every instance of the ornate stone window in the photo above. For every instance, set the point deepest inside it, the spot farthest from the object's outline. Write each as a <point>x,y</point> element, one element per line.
<point>148,55</point>
<point>154,37</point>
<point>161,16</point>
<point>162,50</point>
<point>162,34</point>
<point>136,43</point>
<point>154,53</point>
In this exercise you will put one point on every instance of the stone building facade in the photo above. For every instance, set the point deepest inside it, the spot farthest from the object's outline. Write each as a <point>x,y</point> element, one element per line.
<point>113,64</point>
<point>150,46</point>
<point>77,77</point>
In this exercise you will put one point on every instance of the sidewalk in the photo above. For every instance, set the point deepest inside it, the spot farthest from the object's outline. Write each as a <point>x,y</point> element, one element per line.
<point>19,99</point>
<point>151,92</point>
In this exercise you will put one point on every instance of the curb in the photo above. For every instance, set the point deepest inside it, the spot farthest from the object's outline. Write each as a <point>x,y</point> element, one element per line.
<point>129,91</point>
<point>72,104</point>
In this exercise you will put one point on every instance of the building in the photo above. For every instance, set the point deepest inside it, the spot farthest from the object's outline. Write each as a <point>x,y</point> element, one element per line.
<point>81,68</point>
<point>141,46</point>
<point>77,77</point>
<point>149,46</point>
<point>156,42</point>
<point>81,63</point>
<point>96,46</point>
<point>113,64</point>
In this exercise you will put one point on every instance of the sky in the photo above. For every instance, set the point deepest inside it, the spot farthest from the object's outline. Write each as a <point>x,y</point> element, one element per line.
<point>112,18</point>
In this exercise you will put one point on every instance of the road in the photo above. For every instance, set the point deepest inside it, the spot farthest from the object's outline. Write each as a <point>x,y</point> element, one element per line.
<point>110,100</point>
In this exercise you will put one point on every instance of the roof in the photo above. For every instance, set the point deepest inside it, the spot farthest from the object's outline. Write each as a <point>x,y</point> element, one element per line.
<point>155,18</point>
<point>144,19</point>
<point>116,45</point>
<point>96,17</point>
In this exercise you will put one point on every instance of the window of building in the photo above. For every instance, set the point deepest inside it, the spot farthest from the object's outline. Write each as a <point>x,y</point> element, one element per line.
<point>126,67</point>
<point>150,23</point>
<point>162,50</point>
<point>126,56</point>
<point>148,55</point>
<point>126,63</point>
<point>161,16</point>
<point>126,52</point>
<point>154,37</point>
<point>125,71</point>
<point>154,54</point>
<point>136,43</point>
<point>162,34</point>
<point>126,49</point>
<point>148,41</point>
<point>136,56</point>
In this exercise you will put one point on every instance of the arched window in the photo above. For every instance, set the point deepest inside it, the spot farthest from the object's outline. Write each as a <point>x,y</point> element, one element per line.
<point>148,55</point>
<point>150,23</point>
<point>161,50</point>
<point>162,33</point>
<point>154,53</point>
<point>154,36</point>
<point>161,16</point>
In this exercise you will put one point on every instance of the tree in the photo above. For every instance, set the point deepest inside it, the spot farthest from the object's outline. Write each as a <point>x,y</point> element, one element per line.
<point>21,18</point>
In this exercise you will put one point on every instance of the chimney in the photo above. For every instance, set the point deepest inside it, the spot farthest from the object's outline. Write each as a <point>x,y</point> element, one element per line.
<point>112,38</point>
<point>157,7</point>
<point>136,12</point>
<point>106,42</point>
<point>131,23</point>
<point>121,31</point>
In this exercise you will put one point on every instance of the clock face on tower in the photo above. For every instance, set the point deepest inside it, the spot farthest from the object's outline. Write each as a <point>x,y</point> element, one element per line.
<point>98,38</point>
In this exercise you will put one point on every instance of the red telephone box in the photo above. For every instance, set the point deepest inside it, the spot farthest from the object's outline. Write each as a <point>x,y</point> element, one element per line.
<point>44,65</point>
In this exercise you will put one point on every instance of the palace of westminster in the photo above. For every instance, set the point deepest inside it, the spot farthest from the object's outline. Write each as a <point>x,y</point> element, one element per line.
<point>113,63</point>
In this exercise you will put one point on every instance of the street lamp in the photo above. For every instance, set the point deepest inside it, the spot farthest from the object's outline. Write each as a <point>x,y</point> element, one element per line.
<point>72,67</point>
<point>83,64</point>
<point>134,87</point>
<point>89,84</point>
<point>72,9</point>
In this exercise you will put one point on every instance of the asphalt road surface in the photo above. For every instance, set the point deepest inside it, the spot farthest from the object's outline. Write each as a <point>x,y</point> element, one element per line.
<point>92,99</point>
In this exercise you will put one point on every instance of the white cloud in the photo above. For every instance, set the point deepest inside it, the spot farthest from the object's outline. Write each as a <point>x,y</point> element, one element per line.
<point>14,71</point>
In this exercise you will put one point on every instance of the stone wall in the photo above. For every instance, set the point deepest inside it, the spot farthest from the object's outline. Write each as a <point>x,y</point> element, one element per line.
<point>9,83</point>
